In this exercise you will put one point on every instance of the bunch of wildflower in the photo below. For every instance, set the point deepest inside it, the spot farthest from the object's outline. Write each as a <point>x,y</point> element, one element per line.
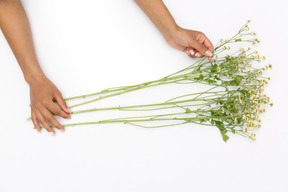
<point>232,104</point>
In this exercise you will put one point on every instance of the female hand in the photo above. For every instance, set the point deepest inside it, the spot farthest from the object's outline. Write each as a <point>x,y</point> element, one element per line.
<point>15,27</point>
<point>42,93</point>
<point>194,43</point>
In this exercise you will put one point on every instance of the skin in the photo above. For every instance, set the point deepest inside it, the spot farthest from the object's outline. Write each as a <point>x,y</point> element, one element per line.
<point>16,29</point>
<point>189,41</point>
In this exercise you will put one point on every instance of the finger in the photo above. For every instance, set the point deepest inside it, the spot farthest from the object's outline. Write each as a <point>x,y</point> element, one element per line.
<point>201,49</point>
<point>193,53</point>
<point>58,97</point>
<point>44,123</point>
<point>190,52</point>
<point>50,118</point>
<point>207,43</point>
<point>34,120</point>
<point>57,111</point>
<point>198,54</point>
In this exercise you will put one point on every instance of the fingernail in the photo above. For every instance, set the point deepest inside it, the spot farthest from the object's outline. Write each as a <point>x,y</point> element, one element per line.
<point>63,130</point>
<point>208,53</point>
<point>52,133</point>
<point>69,110</point>
<point>191,52</point>
<point>197,55</point>
<point>69,118</point>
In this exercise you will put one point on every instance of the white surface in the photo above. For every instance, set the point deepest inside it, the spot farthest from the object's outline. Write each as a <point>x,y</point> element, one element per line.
<point>86,46</point>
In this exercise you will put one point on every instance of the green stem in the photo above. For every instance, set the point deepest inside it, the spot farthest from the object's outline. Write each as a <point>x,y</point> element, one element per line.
<point>136,120</point>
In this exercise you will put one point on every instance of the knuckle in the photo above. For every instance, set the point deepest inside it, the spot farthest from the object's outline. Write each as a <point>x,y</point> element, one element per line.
<point>49,118</point>
<point>45,101</point>
<point>34,121</point>
<point>33,117</point>
<point>58,93</point>
<point>202,49</point>
<point>58,126</point>
<point>47,127</point>
<point>54,122</point>
<point>38,105</point>
<point>58,112</point>
<point>43,123</point>
<point>199,36</point>
<point>64,115</point>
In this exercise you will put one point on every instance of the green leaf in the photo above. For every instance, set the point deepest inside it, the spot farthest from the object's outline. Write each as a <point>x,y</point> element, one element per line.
<point>225,138</point>
<point>212,122</point>
<point>188,120</point>
<point>224,131</point>
<point>217,78</point>
<point>220,125</point>
<point>188,110</point>
<point>209,81</point>
<point>201,76</point>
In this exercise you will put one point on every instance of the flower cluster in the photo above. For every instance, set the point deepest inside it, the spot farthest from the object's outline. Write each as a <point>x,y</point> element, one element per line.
<point>232,104</point>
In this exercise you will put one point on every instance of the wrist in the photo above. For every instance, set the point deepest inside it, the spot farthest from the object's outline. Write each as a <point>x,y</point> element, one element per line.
<point>32,71</point>
<point>169,32</point>
<point>33,78</point>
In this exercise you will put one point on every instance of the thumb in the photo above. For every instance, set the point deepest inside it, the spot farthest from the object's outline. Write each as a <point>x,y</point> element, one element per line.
<point>58,97</point>
<point>201,48</point>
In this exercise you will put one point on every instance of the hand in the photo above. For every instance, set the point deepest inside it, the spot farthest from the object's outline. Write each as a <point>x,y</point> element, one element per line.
<point>194,43</point>
<point>42,93</point>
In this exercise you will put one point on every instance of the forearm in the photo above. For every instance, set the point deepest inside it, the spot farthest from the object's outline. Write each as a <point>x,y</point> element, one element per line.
<point>159,15</point>
<point>16,28</point>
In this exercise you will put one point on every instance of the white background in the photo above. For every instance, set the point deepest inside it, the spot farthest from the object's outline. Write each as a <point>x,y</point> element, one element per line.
<point>86,46</point>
